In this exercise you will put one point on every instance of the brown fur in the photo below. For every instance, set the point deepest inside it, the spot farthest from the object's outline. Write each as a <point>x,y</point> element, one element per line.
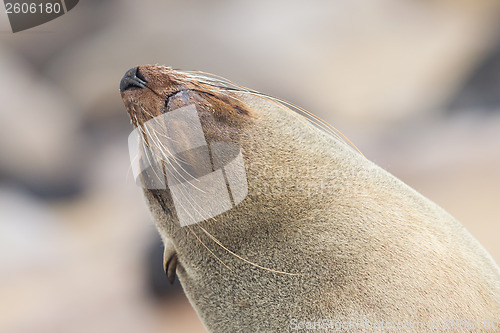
<point>351,241</point>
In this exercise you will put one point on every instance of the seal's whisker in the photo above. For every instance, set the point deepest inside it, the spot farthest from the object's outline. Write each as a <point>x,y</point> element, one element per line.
<point>176,173</point>
<point>179,161</point>
<point>192,202</point>
<point>316,121</point>
<point>223,83</point>
<point>209,78</point>
<point>197,237</point>
<point>147,148</point>
<point>167,155</point>
<point>140,127</point>
<point>166,137</point>
<point>164,153</point>
<point>320,123</point>
<point>147,112</point>
<point>207,88</point>
<point>188,200</point>
<point>206,247</point>
<point>245,260</point>
<point>160,179</point>
<point>162,156</point>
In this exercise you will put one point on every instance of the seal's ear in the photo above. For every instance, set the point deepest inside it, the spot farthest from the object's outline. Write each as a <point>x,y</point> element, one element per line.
<point>170,262</point>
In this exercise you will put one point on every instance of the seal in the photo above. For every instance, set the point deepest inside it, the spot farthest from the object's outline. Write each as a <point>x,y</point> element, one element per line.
<point>315,236</point>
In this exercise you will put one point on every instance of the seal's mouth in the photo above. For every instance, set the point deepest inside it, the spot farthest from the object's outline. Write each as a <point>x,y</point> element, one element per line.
<point>143,96</point>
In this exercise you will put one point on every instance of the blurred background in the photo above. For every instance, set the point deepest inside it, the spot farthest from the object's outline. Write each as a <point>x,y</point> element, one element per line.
<point>414,84</point>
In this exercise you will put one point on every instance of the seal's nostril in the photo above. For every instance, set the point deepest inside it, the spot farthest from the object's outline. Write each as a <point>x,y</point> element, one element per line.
<point>139,75</point>
<point>132,79</point>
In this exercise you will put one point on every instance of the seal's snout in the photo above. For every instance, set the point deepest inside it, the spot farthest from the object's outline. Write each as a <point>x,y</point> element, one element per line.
<point>132,79</point>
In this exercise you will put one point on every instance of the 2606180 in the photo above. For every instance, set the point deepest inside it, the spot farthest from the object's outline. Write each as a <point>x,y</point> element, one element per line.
<point>32,8</point>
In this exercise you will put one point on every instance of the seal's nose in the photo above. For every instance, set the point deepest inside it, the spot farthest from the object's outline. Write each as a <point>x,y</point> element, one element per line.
<point>132,79</point>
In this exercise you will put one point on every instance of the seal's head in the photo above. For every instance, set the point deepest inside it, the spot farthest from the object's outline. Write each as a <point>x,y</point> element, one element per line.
<point>150,91</point>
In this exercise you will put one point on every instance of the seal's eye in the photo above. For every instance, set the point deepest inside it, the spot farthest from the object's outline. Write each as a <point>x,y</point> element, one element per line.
<point>179,98</point>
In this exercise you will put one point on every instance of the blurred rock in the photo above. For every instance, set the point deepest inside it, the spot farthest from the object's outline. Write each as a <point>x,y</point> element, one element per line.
<point>32,243</point>
<point>480,92</point>
<point>31,236</point>
<point>39,44</point>
<point>39,140</point>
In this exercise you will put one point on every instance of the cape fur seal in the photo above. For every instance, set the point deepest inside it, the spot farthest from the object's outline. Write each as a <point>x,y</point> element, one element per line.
<point>304,233</point>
